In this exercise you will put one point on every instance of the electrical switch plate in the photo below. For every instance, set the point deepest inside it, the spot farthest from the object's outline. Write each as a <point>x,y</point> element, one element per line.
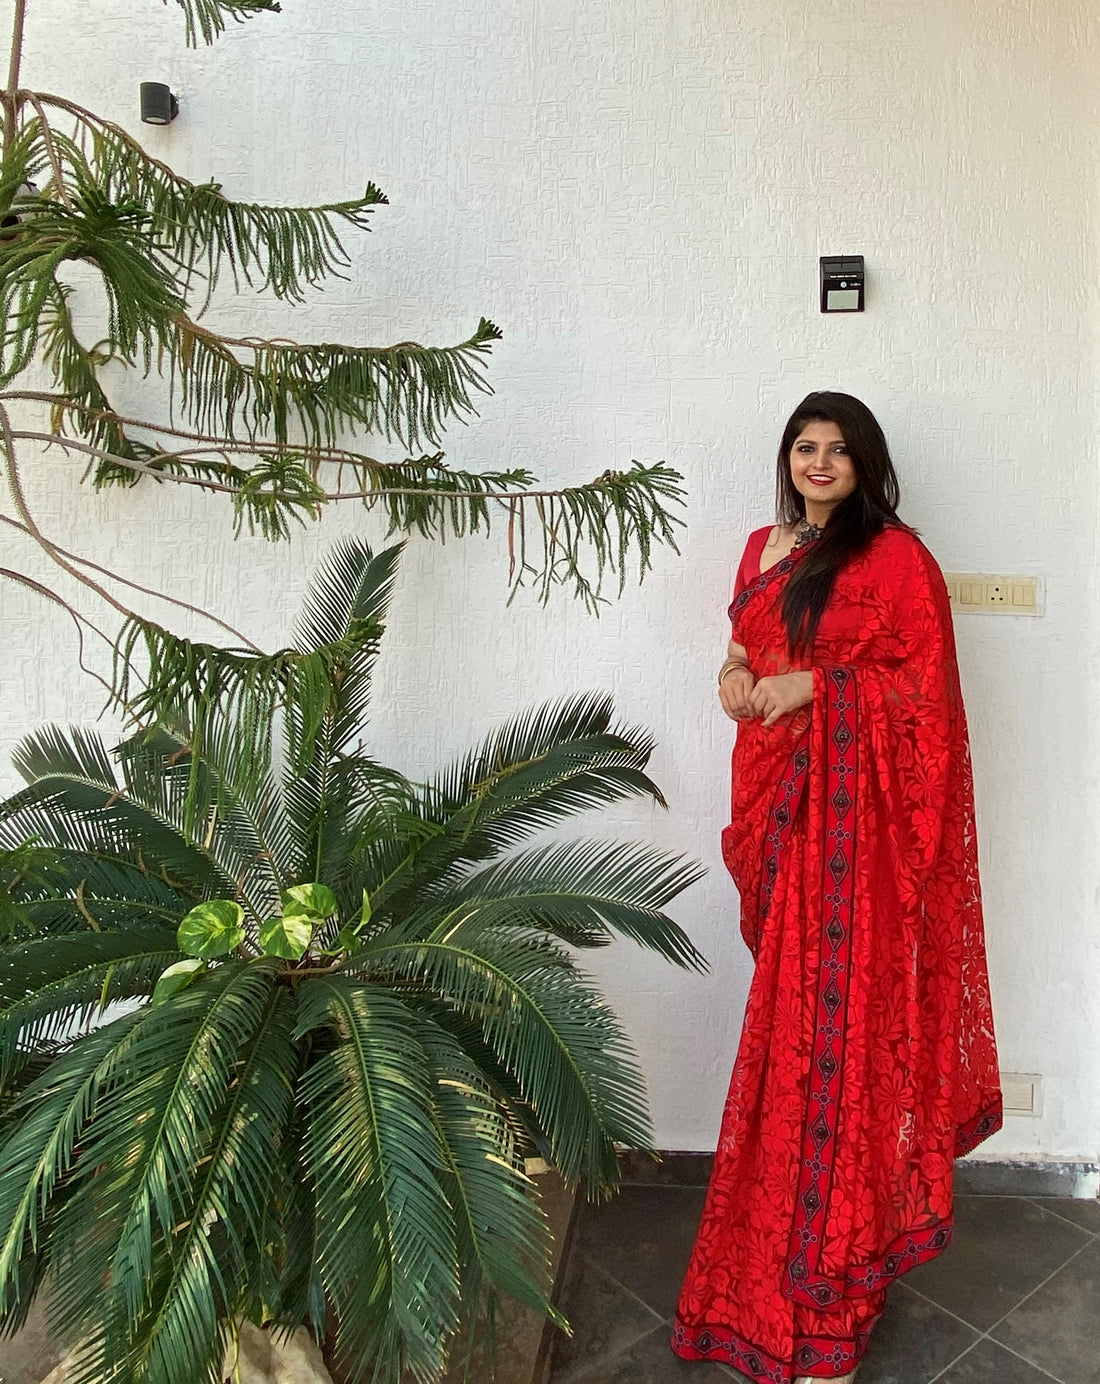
<point>986,594</point>
<point>1022,1092</point>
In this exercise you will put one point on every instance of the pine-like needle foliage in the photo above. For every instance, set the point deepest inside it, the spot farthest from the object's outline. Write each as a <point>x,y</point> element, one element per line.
<point>355,1007</point>
<point>272,424</point>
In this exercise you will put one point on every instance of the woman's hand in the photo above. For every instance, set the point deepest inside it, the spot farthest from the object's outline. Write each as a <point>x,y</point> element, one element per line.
<point>733,692</point>
<point>779,696</point>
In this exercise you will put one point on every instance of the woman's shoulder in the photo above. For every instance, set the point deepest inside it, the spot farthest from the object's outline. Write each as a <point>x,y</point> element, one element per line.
<point>902,549</point>
<point>761,535</point>
<point>754,544</point>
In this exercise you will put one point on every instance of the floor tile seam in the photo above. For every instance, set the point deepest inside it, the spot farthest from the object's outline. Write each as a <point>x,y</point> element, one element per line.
<point>1038,1201</point>
<point>1026,1359</point>
<point>941,1308</point>
<point>1065,1264</point>
<point>660,1321</point>
<point>952,1363</point>
<point>589,1376</point>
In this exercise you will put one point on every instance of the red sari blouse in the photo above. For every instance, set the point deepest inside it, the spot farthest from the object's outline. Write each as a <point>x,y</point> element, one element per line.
<point>867,1060</point>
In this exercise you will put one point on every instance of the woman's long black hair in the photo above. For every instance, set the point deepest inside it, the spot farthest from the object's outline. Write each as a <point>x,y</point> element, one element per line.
<point>853,523</point>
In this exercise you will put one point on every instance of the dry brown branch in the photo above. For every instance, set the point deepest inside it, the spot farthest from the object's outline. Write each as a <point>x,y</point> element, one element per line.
<point>136,586</point>
<point>77,618</point>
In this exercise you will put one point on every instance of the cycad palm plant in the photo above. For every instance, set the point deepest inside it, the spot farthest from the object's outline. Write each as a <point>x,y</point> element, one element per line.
<point>351,1007</point>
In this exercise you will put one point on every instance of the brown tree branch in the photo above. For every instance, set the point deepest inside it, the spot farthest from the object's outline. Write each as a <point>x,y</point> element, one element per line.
<point>15,485</point>
<point>51,152</point>
<point>12,92</point>
<point>136,586</point>
<point>143,468</point>
<point>78,620</point>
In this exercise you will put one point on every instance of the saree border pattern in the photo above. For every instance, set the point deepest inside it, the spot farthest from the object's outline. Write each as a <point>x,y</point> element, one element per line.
<point>723,1343</point>
<point>804,1283</point>
<point>781,819</point>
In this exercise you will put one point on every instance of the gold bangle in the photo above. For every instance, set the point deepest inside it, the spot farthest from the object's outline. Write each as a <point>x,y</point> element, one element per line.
<point>728,667</point>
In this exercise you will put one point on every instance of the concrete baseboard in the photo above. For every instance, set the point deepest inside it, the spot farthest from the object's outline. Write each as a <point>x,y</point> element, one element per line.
<point>1020,1179</point>
<point>1015,1178</point>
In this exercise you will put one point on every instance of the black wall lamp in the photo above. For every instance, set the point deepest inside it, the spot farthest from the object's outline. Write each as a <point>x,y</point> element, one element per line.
<point>158,105</point>
<point>842,281</point>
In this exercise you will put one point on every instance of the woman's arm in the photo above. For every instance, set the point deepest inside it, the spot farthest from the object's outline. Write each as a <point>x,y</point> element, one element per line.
<point>735,683</point>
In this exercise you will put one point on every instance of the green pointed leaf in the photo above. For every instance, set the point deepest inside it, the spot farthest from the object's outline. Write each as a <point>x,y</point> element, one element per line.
<point>364,917</point>
<point>288,937</point>
<point>177,977</point>
<point>212,928</point>
<point>347,941</point>
<point>309,901</point>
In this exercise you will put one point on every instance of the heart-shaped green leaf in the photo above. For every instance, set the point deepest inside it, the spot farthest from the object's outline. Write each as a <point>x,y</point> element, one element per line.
<point>287,937</point>
<point>177,977</point>
<point>212,928</point>
<point>309,901</point>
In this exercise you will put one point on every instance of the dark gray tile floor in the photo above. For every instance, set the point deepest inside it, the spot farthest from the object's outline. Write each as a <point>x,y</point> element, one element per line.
<point>1014,1300</point>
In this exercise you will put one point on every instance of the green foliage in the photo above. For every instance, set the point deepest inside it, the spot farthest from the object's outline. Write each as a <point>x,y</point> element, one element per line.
<point>356,1008</point>
<point>288,937</point>
<point>206,18</point>
<point>212,929</point>
<point>271,424</point>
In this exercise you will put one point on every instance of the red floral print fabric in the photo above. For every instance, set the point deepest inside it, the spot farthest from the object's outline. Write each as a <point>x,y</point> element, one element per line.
<point>867,1061</point>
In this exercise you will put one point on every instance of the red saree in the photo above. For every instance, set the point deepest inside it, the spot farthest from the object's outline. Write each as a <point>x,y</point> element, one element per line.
<point>867,1060</point>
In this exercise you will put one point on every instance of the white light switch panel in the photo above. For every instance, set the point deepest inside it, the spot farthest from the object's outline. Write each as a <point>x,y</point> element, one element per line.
<point>982,593</point>
<point>1023,1093</point>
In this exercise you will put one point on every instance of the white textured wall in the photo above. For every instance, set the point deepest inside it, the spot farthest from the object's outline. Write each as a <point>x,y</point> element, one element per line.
<point>638,193</point>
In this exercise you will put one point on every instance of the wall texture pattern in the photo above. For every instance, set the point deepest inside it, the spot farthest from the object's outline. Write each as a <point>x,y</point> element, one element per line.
<point>638,194</point>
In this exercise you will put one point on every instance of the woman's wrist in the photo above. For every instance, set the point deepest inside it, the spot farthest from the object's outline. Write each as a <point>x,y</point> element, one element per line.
<point>728,667</point>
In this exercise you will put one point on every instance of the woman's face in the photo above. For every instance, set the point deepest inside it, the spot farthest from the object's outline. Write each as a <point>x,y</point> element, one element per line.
<point>822,469</point>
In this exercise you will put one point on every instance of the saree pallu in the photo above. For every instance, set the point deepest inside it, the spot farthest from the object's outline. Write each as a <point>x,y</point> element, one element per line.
<point>867,1061</point>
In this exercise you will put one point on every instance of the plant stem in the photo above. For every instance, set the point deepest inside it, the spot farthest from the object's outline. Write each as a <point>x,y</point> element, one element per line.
<point>15,485</point>
<point>10,102</point>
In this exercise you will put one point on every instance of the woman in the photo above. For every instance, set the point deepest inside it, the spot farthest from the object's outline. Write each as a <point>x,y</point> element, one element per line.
<point>867,1060</point>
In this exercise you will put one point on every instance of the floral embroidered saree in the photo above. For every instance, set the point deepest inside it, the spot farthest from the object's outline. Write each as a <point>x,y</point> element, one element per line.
<point>867,1061</point>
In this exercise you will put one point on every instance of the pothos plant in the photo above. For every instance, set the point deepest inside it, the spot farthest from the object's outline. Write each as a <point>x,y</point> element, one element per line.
<point>352,1007</point>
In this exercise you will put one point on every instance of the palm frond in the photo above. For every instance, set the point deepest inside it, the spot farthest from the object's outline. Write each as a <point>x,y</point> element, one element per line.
<point>326,799</point>
<point>226,1213</point>
<point>37,1151</point>
<point>549,1028</point>
<point>534,772</point>
<point>385,1234</point>
<point>214,794</point>
<point>143,1154</point>
<point>585,892</point>
<point>299,1294</point>
<point>504,1243</point>
<point>51,987</point>
<point>76,802</point>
